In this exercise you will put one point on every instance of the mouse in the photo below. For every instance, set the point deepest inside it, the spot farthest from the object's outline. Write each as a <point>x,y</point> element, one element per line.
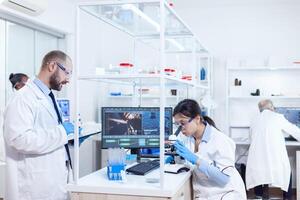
<point>183,169</point>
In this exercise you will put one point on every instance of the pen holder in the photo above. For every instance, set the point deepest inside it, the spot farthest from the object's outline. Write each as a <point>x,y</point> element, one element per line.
<point>114,172</point>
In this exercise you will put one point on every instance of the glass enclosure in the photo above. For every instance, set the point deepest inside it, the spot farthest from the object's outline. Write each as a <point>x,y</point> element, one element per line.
<point>142,21</point>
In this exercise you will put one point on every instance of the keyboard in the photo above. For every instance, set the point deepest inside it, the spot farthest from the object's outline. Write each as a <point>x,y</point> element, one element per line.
<point>290,138</point>
<point>143,167</point>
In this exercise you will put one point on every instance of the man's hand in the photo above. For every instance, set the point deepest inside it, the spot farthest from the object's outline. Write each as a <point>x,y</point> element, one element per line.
<point>69,127</point>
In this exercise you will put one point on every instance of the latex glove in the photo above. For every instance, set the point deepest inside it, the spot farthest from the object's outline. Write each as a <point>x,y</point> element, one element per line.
<point>169,159</point>
<point>69,127</point>
<point>184,152</point>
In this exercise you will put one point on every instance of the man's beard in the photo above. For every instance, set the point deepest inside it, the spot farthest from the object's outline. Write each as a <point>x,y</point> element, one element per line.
<point>55,83</point>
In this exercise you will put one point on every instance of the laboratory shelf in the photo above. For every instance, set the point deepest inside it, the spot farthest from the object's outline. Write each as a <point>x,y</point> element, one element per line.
<point>264,68</point>
<point>141,20</point>
<point>137,18</point>
<point>143,96</point>
<point>287,143</point>
<point>263,97</point>
<point>239,126</point>
<point>143,79</point>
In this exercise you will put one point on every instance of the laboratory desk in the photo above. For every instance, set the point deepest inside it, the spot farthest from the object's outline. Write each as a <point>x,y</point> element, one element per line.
<point>96,186</point>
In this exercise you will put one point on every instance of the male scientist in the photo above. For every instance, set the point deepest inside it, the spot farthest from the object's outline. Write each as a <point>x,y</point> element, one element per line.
<point>268,162</point>
<point>37,157</point>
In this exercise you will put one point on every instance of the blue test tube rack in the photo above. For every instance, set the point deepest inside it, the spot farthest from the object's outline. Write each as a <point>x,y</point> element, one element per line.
<point>114,172</point>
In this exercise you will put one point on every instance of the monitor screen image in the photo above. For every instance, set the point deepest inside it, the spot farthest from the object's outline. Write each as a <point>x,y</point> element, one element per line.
<point>133,127</point>
<point>291,114</point>
<point>64,105</point>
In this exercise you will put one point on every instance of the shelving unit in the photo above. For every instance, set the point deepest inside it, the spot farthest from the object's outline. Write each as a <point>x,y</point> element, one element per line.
<point>167,33</point>
<point>276,83</point>
<point>263,68</point>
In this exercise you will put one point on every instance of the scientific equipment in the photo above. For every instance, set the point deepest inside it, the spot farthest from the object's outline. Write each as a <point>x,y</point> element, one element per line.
<point>256,93</point>
<point>292,114</point>
<point>170,148</point>
<point>64,105</point>
<point>116,164</point>
<point>202,74</point>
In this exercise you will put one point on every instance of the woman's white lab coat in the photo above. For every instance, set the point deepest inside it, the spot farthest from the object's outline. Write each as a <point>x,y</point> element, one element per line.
<point>268,161</point>
<point>219,150</point>
<point>35,153</point>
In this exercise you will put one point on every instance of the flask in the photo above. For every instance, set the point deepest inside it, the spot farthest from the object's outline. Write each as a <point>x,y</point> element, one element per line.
<point>202,74</point>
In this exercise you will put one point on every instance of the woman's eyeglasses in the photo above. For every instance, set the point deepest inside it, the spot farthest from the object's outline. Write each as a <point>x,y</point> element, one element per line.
<point>182,124</point>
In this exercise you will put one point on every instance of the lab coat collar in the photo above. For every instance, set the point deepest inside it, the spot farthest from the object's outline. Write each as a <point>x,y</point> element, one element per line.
<point>42,92</point>
<point>42,86</point>
<point>207,133</point>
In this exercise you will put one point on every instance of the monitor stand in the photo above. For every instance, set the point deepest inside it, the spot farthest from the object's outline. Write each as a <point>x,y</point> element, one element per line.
<point>136,151</point>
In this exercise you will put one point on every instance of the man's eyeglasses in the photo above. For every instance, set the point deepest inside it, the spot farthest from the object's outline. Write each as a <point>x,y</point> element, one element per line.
<point>68,73</point>
<point>182,124</point>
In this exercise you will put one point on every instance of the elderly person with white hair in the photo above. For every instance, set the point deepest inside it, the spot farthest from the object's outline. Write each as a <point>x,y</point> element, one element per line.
<point>268,162</point>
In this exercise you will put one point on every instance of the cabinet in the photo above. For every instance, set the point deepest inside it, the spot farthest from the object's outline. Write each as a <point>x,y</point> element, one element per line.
<point>184,193</point>
<point>275,83</point>
<point>96,186</point>
<point>147,23</point>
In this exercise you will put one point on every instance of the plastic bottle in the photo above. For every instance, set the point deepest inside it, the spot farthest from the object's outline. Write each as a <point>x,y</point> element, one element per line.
<point>202,74</point>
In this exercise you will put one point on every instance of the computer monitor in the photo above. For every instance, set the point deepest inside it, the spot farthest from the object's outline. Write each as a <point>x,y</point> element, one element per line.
<point>133,127</point>
<point>292,114</point>
<point>64,105</point>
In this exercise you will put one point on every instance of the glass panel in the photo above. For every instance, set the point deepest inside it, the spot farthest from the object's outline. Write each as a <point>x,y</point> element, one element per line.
<point>139,19</point>
<point>2,66</point>
<point>176,44</point>
<point>142,20</point>
<point>44,44</point>
<point>20,52</point>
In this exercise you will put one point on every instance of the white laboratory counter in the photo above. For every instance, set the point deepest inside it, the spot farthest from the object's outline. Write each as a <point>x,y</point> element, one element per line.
<point>96,185</point>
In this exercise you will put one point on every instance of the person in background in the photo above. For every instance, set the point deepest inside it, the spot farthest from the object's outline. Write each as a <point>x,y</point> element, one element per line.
<point>268,162</point>
<point>18,80</point>
<point>37,158</point>
<point>211,153</point>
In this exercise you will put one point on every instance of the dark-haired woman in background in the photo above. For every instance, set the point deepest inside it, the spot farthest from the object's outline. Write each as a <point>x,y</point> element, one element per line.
<point>18,80</point>
<point>211,153</point>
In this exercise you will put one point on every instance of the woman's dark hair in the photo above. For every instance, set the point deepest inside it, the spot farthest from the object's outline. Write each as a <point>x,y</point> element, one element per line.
<point>190,108</point>
<point>16,78</point>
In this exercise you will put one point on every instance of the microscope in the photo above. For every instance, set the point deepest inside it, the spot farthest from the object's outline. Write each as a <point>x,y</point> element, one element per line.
<point>170,148</point>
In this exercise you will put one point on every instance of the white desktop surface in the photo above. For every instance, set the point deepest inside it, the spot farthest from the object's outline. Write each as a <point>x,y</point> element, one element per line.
<point>97,182</point>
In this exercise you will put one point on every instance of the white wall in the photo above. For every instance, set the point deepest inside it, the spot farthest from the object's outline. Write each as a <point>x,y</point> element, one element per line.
<point>59,15</point>
<point>233,28</point>
<point>250,29</point>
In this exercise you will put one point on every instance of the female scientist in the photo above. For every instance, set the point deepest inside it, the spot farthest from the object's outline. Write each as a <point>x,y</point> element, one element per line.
<point>18,80</point>
<point>211,152</point>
